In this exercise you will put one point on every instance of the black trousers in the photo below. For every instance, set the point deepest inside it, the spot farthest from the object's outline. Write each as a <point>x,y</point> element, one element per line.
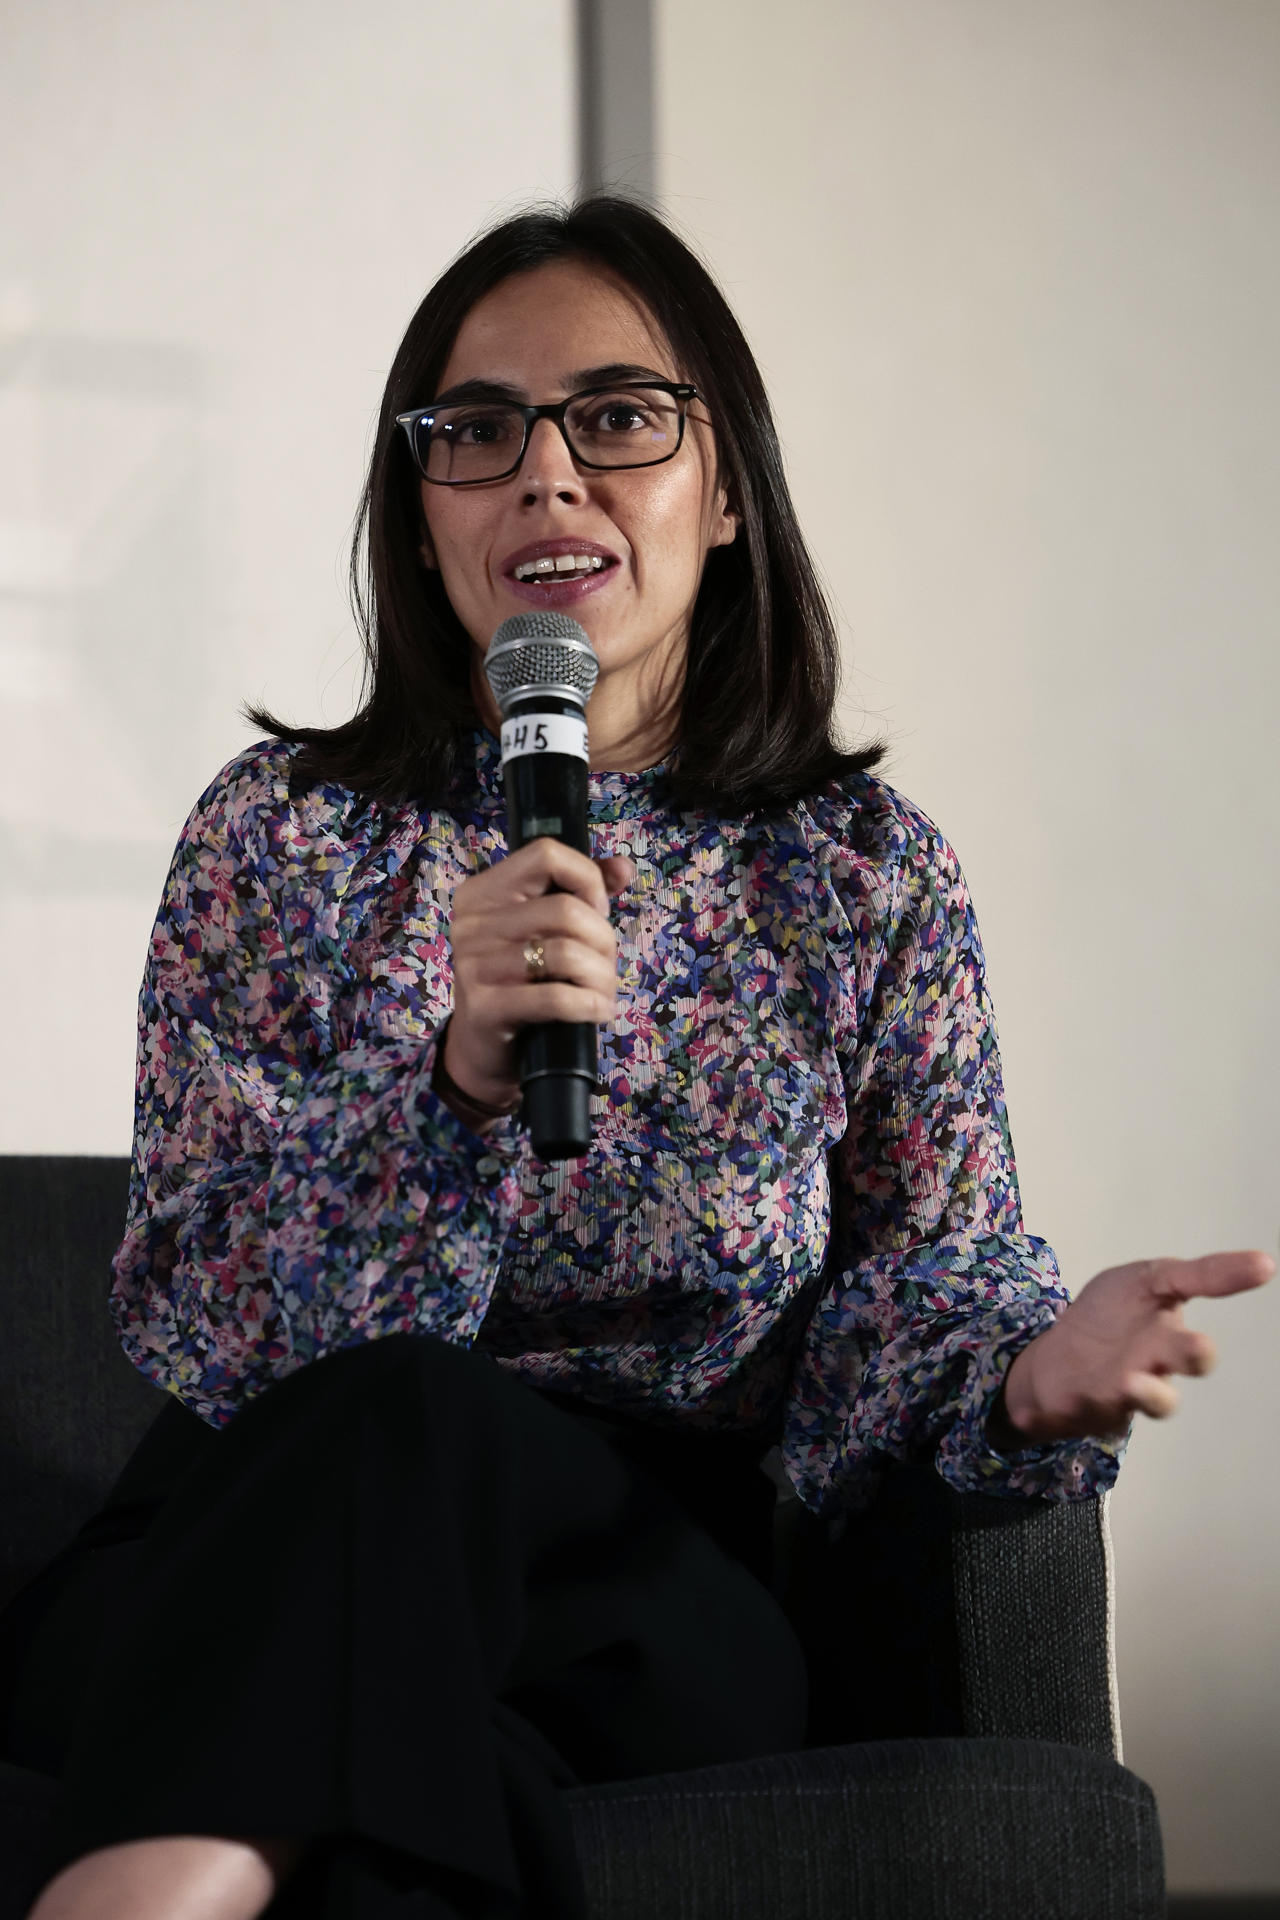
<point>394,1608</point>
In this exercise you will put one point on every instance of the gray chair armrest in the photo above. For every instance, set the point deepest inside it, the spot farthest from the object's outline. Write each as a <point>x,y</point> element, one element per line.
<point>1035,1612</point>
<point>935,1613</point>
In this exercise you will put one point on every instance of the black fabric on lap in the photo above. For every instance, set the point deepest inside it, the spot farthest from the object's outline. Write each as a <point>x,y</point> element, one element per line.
<point>396,1606</point>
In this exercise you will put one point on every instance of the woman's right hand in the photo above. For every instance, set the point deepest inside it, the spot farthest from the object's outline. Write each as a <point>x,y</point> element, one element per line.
<point>494,913</point>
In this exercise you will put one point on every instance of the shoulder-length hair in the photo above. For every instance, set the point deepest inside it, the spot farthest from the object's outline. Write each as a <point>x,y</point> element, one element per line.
<point>756,719</point>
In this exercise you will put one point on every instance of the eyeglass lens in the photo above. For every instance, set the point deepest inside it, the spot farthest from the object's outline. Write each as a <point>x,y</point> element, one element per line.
<point>629,427</point>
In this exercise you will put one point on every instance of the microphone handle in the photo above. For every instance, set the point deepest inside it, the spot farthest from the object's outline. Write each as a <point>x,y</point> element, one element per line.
<point>556,1060</point>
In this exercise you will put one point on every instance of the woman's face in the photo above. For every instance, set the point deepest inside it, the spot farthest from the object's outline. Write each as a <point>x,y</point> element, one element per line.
<point>543,334</point>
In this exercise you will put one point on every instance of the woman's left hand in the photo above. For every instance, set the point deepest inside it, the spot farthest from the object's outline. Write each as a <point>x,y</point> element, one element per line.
<point>1109,1355</point>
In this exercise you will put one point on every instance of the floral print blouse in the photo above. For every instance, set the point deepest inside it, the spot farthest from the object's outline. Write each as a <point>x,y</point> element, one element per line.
<point>800,1210</point>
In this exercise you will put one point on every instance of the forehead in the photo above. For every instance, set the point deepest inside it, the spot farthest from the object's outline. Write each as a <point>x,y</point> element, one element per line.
<point>536,327</point>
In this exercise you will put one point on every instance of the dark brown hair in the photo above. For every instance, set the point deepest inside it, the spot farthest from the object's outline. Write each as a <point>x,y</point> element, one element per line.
<point>763,667</point>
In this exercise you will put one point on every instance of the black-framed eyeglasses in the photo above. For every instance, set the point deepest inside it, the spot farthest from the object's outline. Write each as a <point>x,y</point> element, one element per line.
<point>626,425</point>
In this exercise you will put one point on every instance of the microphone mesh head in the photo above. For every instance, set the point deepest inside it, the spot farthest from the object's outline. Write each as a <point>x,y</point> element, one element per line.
<point>540,653</point>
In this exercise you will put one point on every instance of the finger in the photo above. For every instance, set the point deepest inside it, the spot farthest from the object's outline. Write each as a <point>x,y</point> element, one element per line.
<point>567,960</point>
<point>1198,1354</point>
<point>560,915</point>
<point>1148,1394</point>
<point>541,864</point>
<point>1179,1352</point>
<point>1212,1274</point>
<point>547,916</point>
<point>547,1000</point>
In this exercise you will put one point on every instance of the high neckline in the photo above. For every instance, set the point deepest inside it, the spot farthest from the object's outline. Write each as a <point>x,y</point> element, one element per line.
<point>608,793</point>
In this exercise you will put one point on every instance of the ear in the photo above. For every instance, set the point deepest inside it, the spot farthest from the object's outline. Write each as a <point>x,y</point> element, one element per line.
<point>724,523</point>
<point>427,552</point>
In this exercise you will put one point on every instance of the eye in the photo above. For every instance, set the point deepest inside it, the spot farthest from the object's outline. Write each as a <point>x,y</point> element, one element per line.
<point>621,413</point>
<point>478,426</point>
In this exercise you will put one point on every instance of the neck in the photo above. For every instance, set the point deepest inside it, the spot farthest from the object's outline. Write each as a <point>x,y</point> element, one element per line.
<point>629,752</point>
<point>618,742</point>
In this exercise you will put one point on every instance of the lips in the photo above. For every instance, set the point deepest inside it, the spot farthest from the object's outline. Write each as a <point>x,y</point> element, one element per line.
<point>563,591</point>
<point>552,549</point>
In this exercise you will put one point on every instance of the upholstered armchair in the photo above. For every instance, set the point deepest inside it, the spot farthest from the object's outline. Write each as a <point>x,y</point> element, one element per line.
<point>963,1755</point>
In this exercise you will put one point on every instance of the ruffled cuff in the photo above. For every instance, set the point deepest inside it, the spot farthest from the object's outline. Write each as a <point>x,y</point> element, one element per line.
<point>1073,1469</point>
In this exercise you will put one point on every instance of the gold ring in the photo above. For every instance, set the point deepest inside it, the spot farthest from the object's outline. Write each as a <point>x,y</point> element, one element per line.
<point>535,962</point>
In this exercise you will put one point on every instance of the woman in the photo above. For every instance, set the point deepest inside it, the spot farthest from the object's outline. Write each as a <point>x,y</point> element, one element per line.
<point>798,1225</point>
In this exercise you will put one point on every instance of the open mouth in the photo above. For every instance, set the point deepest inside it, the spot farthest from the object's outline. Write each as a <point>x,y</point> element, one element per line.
<point>552,572</point>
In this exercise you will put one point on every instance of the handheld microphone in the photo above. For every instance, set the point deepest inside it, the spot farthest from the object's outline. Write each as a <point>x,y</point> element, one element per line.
<point>542,668</point>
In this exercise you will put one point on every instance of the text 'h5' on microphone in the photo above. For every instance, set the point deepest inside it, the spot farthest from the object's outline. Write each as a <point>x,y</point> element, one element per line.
<point>542,668</point>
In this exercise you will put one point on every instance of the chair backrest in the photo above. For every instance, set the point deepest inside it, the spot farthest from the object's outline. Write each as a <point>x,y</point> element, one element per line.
<point>72,1406</point>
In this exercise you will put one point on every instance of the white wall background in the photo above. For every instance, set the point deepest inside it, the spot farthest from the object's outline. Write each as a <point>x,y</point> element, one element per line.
<point>1012,273</point>
<point>215,227</point>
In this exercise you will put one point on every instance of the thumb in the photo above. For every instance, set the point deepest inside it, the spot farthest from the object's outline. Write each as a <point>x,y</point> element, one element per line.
<point>619,872</point>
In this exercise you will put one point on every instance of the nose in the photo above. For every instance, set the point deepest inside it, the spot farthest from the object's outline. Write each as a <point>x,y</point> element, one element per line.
<point>548,466</point>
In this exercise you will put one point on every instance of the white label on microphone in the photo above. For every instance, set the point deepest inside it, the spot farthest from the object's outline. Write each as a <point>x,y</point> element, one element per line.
<point>544,733</point>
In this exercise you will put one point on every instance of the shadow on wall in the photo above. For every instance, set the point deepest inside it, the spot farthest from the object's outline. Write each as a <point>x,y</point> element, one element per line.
<point>104,582</point>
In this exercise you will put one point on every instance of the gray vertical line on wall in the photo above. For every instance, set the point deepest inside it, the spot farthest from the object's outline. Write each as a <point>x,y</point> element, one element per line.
<point>616,96</point>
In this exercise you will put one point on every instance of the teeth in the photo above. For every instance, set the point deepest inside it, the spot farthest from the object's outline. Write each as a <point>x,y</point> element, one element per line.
<point>562,563</point>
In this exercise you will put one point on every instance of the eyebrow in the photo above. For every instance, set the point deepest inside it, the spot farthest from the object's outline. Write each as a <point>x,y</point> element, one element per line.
<point>466,390</point>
